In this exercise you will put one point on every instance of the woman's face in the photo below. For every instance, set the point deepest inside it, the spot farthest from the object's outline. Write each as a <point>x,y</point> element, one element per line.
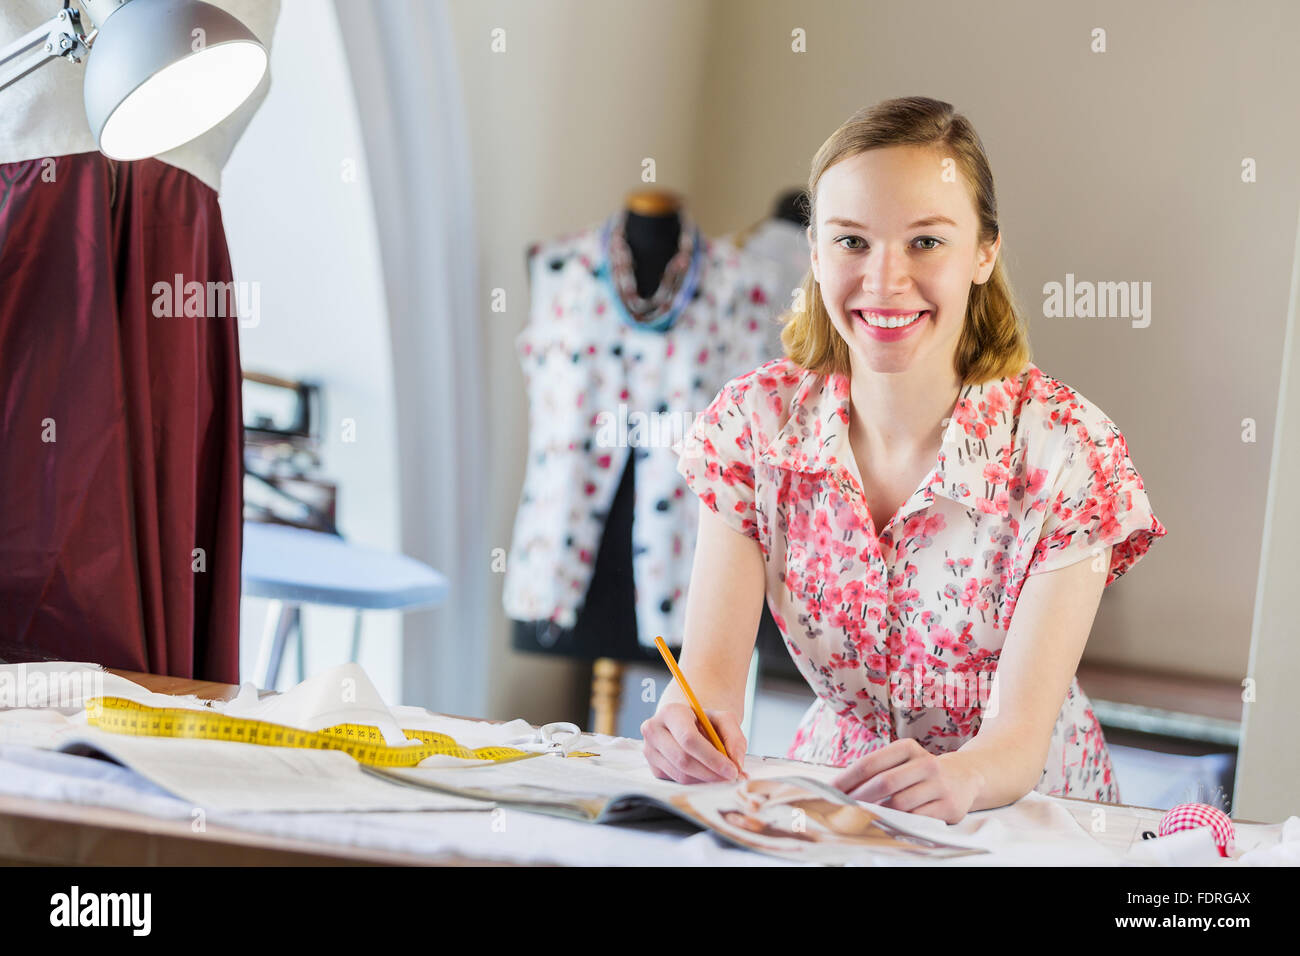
<point>742,821</point>
<point>872,252</point>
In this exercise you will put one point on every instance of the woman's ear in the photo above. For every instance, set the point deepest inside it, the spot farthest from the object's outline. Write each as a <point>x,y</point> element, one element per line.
<point>988,258</point>
<point>812,249</point>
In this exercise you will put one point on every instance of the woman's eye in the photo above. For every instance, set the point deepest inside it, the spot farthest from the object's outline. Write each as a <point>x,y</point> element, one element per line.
<point>937,242</point>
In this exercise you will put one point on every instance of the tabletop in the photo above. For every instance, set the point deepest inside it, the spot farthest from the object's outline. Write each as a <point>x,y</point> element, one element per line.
<point>48,832</point>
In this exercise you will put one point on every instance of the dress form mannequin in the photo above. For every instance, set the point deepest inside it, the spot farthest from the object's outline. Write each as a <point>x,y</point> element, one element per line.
<point>606,628</point>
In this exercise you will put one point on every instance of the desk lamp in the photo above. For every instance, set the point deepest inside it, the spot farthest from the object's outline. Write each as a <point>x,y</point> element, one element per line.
<point>164,71</point>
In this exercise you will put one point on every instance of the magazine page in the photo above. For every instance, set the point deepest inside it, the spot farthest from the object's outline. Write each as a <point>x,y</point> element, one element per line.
<point>798,818</point>
<point>792,817</point>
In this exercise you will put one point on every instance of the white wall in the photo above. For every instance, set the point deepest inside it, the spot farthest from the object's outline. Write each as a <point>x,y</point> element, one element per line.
<point>303,228</point>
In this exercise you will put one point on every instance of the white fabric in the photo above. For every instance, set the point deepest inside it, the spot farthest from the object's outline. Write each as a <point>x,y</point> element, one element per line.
<point>506,836</point>
<point>1185,848</point>
<point>1285,852</point>
<point>1036,830</point>
<point>581,362</point>
<point>44,114</point>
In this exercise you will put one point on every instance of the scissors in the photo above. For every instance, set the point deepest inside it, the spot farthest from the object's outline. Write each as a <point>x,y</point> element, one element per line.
<point>554,738</point>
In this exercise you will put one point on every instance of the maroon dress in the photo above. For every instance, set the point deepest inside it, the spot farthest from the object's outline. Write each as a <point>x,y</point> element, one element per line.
<point>121,432</point>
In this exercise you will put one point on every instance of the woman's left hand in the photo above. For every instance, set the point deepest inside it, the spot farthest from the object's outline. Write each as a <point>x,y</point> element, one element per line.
<point>906,776</point>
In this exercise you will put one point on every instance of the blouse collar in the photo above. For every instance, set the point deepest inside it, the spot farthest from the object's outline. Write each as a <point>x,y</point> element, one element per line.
<point>973,461</point>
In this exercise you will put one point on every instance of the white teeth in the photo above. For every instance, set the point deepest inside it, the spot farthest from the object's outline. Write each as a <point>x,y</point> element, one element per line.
<point>893,322</point>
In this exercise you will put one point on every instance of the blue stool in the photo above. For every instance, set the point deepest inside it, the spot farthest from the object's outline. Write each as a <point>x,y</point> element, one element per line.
<point>294,566</point>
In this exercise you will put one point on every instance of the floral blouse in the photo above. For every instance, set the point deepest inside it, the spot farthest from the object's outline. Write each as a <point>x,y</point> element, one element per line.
<point>900,635</point>
<point>602,389</point>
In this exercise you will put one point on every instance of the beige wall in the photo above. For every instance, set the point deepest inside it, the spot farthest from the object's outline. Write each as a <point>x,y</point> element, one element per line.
<point>559,124</point>
<point>1115,166</point>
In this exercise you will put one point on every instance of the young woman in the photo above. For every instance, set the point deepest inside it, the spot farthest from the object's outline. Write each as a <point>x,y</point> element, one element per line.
<point>924,509</point>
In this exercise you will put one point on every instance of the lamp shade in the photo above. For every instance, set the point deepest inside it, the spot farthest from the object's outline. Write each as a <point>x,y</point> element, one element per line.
<point>163,72</point>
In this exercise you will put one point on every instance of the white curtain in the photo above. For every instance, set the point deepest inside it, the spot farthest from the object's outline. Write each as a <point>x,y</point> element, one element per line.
<point>408,95</point>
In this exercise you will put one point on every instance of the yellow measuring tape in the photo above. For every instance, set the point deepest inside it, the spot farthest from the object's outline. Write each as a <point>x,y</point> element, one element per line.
<point>363,742</point>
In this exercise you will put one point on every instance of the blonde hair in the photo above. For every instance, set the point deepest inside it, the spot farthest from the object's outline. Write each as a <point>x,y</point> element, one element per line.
<point>994,342</point>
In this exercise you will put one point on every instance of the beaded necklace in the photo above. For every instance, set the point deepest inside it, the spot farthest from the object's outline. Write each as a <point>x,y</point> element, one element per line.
<point>681,278</point>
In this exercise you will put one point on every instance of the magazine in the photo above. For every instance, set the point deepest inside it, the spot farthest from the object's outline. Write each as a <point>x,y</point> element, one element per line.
<point>793,817</point>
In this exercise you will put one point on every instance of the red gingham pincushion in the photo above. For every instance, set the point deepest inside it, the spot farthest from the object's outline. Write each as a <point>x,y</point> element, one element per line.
<point>1189,816</point>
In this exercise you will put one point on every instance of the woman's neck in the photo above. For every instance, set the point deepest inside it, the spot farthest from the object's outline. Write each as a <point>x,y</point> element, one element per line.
<point>900,417</point>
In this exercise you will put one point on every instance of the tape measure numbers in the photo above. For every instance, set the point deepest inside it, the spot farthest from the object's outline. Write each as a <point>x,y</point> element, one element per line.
<point>363,742</point>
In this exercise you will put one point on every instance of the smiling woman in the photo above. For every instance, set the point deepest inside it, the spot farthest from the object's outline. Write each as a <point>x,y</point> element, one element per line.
<point>908,379</point>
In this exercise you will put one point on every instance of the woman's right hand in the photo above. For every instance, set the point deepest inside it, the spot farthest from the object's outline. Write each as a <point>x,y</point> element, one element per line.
<point>678,748</point>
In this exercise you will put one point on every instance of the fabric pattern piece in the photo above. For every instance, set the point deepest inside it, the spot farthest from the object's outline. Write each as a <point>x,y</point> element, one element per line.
<point>599,390</point>
<point>896,634</point>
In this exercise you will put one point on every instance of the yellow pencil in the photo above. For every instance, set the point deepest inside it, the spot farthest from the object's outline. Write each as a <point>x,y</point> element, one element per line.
<point>695,704</point>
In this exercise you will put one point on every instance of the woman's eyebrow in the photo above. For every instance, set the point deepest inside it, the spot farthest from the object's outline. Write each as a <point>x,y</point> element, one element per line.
<point>927,221</point>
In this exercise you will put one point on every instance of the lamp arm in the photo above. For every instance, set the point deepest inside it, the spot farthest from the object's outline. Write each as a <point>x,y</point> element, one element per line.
<point>60,36</point>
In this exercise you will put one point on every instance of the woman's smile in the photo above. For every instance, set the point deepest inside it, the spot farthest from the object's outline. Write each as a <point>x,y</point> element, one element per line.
<point>891,328</point>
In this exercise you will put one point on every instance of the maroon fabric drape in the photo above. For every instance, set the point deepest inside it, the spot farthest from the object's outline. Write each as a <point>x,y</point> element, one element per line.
<point>121,431</point>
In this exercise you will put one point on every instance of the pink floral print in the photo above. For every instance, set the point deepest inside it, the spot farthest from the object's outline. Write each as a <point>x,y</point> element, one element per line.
<point>900,634</point>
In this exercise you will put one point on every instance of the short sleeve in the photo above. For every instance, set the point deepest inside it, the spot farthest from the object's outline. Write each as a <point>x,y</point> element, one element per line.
<point>1098,500</point>
<point>716,459</point>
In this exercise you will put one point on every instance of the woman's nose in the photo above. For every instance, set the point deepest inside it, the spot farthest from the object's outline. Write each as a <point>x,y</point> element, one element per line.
<point>885,272</point>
